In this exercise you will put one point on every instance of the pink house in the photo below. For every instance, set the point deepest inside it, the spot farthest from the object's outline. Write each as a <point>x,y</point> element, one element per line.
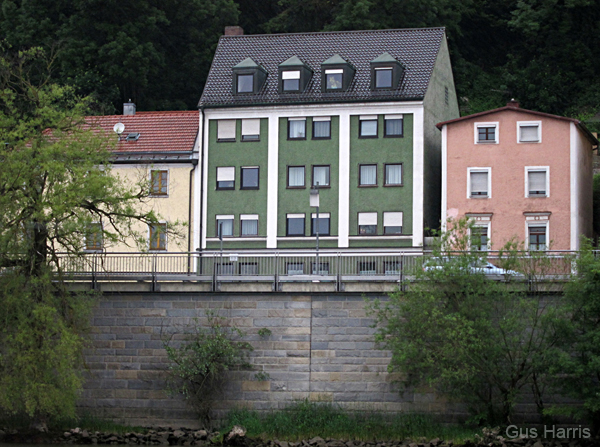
<point>519,174</point>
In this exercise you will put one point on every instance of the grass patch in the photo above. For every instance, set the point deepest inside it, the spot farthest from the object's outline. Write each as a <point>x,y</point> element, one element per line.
<point>304,420</point>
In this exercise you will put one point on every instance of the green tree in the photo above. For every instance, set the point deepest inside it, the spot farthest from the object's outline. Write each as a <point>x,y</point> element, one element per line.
<point>55,182</point>
<point>576,358</point>
<point>472,338</point>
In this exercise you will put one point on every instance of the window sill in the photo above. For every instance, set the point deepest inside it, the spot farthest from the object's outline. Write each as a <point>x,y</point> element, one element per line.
<point>295,187</point>
<point>366,137</point>
<point>393,185</point>
<point>296,139</point>
<point>487,142</point>
<point>321,187</point>
<point>162,196</point>
<point>479,197</point>
<point>253,188</point>
<point>322,138</point>
<point>228,140</point>
<point>250,141</point>
<point>393,136</point>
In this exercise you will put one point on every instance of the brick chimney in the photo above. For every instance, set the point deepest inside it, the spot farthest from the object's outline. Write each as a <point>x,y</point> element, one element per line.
<point>234,31</point>
<point>129,108</point>
<point>513,103</point>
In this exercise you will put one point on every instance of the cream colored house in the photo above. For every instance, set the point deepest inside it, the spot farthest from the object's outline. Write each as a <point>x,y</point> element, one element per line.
<point>160,148</point>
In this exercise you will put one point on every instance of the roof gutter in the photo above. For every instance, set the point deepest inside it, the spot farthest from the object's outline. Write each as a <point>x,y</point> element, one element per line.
<point>272,104</point>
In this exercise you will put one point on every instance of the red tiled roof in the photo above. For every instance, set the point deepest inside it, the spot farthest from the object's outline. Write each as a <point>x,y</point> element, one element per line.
<point>159,131</point>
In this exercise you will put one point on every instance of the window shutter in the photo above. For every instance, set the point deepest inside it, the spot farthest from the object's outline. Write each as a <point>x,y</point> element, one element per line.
<point>225,174</point>
<point>290,74</point>
<point>537,182</point>
<point>226,129</point>
<point>479,182</point>
<point>251,127</point>
<point>392,219</point>
<point>367,218</point>
<point>529,133</point>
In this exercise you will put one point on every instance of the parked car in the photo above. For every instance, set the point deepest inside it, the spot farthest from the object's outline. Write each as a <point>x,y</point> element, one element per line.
<point>477,266</point>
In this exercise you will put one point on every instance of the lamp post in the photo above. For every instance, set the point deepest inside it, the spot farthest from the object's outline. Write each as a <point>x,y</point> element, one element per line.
<point>314,202</point>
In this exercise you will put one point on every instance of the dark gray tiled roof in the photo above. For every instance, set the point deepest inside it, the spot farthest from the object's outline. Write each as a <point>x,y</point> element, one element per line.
<point>416,49</point>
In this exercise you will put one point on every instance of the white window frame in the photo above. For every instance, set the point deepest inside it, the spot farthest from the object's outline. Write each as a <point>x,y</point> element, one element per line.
<point>152,193</point>
<point>224,130</point>
<point>476,127</point>
<point>528,124</point>
<point>529,169</point>
<point>489,181</point>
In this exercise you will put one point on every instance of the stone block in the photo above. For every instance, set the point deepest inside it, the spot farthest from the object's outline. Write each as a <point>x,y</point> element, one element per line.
<point>255,385</point>
<point>320,396</point>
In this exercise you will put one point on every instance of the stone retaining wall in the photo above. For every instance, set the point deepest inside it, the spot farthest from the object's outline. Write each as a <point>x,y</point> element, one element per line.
<point>321,348</point>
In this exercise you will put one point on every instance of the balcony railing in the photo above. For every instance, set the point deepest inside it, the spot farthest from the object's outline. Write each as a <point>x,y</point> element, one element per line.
<point>279,267</point>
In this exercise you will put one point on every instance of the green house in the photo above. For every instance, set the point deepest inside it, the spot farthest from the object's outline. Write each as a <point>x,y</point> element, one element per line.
<point>350,115</point>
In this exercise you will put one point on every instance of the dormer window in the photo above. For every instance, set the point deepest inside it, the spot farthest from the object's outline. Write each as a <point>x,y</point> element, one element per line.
<point>336,74</point>
<point>333,79</point>
<point>383,77</point>
<point>294,75</point>
<point>245,83</point>
<point>291,81</point>
<point>248,77</point>
<point>386,72</point>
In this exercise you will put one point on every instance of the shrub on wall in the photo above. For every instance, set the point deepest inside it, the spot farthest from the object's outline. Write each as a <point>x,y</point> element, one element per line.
<point>199,365</point>
<point>479,340</point>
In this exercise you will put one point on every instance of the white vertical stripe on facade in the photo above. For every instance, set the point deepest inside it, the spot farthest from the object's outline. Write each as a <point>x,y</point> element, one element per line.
<point>272,179</point>
<point>574,184</point>
<point>418,176</point>
<point>204,164</point>
<point>444,176</point>
<point>344,182</point>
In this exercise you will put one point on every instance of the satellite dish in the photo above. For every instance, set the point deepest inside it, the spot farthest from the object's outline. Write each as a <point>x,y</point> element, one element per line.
<point>119,128</point>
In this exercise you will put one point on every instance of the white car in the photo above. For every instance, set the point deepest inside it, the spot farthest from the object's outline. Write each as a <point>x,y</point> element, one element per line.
<point>479,266</point>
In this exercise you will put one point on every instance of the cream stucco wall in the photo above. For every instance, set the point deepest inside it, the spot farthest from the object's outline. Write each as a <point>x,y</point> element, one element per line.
<point>508,161</point>
<point>174,207</point>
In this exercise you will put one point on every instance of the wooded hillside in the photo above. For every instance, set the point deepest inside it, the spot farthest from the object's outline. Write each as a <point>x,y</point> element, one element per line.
<point>545,53</point>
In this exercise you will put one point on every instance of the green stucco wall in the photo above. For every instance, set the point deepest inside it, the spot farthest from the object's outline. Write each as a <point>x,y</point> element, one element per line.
<point>237,201</point>
<point>307,153</point>
<point>380,198</point>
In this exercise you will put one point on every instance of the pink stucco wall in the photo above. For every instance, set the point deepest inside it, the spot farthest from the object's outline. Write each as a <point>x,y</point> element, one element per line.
<point>507,160</point>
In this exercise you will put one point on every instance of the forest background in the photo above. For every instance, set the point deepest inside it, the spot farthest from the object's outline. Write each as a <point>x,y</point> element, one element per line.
<point>157,53</point>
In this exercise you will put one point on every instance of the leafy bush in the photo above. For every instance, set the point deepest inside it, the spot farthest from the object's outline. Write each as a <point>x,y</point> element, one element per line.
<point>199,365</point>
<point>472,338</point>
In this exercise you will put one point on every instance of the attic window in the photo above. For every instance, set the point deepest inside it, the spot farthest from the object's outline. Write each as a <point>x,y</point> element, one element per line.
<point>386,72</point>
<point>336,74</point>
<point>294,75</point>
<point>132,136</point>
<point>248,77</point>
